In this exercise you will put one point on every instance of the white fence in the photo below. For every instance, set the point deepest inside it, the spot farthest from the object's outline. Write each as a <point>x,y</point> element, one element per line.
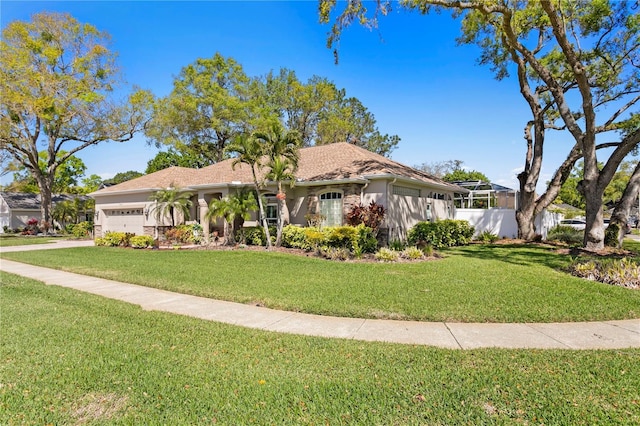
<point>502,222</point>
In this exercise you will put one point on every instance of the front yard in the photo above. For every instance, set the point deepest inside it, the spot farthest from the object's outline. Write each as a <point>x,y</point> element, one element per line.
<point>74,358</point>
<point>478,283</point>
<point>7,240</point>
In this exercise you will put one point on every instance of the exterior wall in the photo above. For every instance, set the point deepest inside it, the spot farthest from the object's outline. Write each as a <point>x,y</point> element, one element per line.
<point>502,222</point>
<point>5,215</point>
<point>19,218</point>
<point>104,219</point>
<point>405,212</point>
<point>297,205</point>
<point>375,191</point>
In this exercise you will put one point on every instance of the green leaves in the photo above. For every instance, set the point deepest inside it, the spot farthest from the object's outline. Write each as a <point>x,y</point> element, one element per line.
<point>55,77</point>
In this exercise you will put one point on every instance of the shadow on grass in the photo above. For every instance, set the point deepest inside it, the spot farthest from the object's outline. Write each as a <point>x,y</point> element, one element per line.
<point>516,254</point>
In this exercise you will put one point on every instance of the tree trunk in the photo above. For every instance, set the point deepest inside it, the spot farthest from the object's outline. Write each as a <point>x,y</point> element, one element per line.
<point>229,233</point>
<point>45,183</point>
<point>279,224</point>
<point>594,229</point>
<point>45,204</point>
<point>526,208</point>
<point>263,216</point>
<point>620,216</point>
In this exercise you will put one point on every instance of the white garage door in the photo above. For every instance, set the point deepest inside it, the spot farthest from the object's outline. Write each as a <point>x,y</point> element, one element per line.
<point>125,220</point>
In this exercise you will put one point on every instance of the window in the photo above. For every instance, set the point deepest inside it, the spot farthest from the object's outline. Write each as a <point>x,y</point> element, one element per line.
<point>331,208</point>
<point>271,209</point>
<point>406,191</point>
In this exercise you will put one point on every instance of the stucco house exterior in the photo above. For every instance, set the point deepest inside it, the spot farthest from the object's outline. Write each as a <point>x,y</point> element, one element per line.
<point>16,208</point>
<point>330,180</point>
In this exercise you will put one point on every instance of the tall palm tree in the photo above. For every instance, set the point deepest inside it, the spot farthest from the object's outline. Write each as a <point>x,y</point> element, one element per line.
<point>282,149</point>
<point>281,169</point>
<point>169,201</point>
<point>249,150</point>
<point>234,209</point>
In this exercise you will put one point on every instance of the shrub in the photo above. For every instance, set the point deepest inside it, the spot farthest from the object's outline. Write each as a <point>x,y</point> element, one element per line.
<point>141,241</point>
<point>184,234</point>
<point>341,237</point>
<point>314,220</point>
<point>428,250</point>
<point>314,237</point>
<point>370,216</point>
<point>397,245</point>
<point>356,239</point>
<point>623,272</point>
<point>253,236</point>
<point>487,237</point>
<point>336,253</point>
<point>117,239</point>
<point>565,234</point>
<point>412,253</point>
<point>100,242</point>
<point>295,237</point>
<point>82,229</point>
<point>443,233</point>
<point>387,255</point>
<point>367,241</point>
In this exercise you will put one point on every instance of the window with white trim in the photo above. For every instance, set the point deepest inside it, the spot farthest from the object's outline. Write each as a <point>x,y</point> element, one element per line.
<point>330,204</point>
<point>271,209</point>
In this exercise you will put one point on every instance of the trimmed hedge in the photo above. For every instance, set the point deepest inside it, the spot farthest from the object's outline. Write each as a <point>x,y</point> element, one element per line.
<point>440,234</point>
<point>354,239</point>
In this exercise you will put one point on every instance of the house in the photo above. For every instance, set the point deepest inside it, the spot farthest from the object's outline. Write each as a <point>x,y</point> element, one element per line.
<point>330,180</point>
<point>16,208</point>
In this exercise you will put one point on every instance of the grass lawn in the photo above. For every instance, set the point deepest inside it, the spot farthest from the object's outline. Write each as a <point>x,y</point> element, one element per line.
<point>74,358</point>
<point>7,240</point>
<point>499,283</point>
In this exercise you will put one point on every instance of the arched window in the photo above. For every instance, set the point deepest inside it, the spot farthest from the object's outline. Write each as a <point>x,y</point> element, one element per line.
<point>331,208</point>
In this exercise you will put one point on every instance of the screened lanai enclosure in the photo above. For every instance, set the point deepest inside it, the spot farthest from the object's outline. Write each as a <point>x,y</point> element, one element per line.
<point>486,195</point>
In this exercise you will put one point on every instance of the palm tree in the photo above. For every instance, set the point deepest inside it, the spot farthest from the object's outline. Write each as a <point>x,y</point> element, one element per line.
<point>249,150</point>
<point>281,169</point>
<point>170,200</point>
<point>234,209</point>
<point>282,150</point>
<point>64,212</point>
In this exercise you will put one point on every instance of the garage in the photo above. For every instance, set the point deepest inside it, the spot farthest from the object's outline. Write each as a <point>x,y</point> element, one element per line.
<point>124,220</point>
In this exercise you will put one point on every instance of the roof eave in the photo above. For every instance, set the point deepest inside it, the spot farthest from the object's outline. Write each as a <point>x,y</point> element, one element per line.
<point>330,181</point>
<point>448,187</point>
<point>122,192</point>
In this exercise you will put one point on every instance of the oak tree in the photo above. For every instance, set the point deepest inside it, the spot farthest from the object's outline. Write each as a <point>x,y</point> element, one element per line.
<point>577,65</point>
<point>57,93</point>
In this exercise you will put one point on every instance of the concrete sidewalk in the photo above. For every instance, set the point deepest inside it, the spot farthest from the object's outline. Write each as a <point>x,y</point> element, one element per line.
<point>582,335</point>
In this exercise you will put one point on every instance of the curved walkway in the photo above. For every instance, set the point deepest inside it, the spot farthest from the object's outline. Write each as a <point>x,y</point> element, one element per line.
<point>581,335</point>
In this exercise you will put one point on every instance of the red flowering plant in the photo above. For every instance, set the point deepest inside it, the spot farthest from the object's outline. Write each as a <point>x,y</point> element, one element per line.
<point>31,228</point>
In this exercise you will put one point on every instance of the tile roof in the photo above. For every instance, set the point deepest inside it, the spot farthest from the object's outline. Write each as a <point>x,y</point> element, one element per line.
<point>337,161</point>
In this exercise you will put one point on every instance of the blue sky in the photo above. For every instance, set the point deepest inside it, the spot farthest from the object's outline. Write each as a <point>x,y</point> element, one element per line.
<point>409,73</point>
